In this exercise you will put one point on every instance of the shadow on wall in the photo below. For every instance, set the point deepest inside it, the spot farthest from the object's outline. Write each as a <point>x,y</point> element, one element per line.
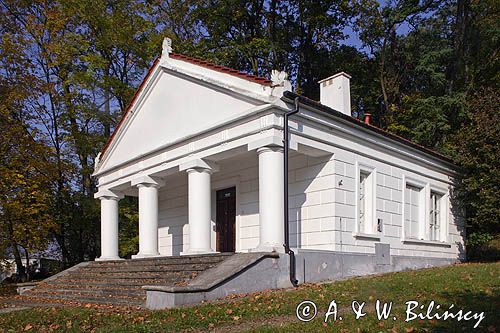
<point>177,239</point>
<point>175,217</point>
<point>297,198</point>
<point>297,195</point>
<point>458,211</point>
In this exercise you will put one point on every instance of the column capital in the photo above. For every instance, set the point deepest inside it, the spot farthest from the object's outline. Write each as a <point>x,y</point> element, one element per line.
<point>206,170</point>
<point>147,181</point>
<point>268,141</point>
<point>269,149</point>
<point>106,194</point>
<point>197,164</point>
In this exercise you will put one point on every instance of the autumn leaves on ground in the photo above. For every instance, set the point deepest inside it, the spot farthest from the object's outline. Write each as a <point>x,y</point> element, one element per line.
<point>471,287</point>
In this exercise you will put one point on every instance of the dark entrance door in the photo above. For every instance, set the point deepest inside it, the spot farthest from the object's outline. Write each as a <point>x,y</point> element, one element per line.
<point>225,220</point>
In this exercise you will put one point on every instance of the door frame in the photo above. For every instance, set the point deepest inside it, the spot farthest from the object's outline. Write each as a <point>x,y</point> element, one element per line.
<point>221,185</point>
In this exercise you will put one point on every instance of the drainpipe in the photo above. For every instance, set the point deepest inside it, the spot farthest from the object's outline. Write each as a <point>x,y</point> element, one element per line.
<point>288,250</point>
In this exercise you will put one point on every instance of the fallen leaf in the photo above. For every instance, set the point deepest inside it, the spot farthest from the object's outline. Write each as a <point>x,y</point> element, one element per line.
<point>28,327</point>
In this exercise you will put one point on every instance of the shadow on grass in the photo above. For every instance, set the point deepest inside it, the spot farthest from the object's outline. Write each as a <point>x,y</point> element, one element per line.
<point>467,300</point>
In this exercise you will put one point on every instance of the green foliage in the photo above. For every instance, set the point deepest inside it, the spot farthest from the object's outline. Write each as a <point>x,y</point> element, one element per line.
<point>129,227</point>
<point>438,118</point>
<point>26,182</point>
<point>478,239</point>
<point>483,246</point>
<point>83,61</point>
<point>478,151</point>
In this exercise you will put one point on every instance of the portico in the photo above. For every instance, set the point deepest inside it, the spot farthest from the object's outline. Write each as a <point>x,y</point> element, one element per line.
<point>200,208</point>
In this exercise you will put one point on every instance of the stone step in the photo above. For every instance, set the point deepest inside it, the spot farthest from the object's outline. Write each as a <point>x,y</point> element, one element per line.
<point>137,292</point>
<point>209,258</point>
<point>126,275</point>
<point>30,303</point>
<point>155,268</point>
<point>118,282</point>
<point>42,298</point>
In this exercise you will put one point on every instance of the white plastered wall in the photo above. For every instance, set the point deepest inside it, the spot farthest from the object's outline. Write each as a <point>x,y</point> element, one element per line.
<point>311,204</point>
<point>322,206</point>
<point>390,183</point>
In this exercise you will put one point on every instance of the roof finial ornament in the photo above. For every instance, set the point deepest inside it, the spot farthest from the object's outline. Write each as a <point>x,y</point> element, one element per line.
<point>97,159</point>
<point>280,81</point>
<point>166,47</point>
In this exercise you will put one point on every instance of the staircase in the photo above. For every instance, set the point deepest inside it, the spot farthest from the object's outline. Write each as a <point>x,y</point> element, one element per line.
<point>117,282</point>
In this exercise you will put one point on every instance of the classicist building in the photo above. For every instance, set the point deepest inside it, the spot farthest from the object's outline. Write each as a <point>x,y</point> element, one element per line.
<point>202,148</point>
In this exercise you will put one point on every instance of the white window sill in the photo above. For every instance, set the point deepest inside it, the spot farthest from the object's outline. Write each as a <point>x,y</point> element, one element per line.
<point>425,242</point>
<point>360,235</point>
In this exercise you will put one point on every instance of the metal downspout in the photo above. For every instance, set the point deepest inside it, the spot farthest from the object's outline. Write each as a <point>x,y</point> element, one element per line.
<point>293,278</point>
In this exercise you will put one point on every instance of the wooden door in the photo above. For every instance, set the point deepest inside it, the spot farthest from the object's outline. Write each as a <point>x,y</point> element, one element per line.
<point>226,220</point>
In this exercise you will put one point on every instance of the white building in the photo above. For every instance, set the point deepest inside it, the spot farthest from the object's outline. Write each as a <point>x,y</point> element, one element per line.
<point>202,147</point>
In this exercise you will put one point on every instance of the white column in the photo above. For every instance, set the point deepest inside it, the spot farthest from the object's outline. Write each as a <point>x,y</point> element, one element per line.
<point>148,216</point>
<point>199,201</point>
<point>109,225</point>
<point>271,203</point>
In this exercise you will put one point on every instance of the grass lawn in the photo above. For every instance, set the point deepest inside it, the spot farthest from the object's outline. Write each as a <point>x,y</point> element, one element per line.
<point>471,287</point>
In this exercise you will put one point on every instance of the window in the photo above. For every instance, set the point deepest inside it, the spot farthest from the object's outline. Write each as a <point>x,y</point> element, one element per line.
<point>365,200</point>
<point>435,215</point>
<point>363,176</point>
<point>413,217</point>
<point>425,212</point>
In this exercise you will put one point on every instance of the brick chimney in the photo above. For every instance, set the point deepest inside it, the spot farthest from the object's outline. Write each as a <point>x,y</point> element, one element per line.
<point>335,92</point>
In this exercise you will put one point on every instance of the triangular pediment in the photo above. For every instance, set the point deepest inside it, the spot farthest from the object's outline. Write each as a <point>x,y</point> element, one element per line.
<point>171,106</point>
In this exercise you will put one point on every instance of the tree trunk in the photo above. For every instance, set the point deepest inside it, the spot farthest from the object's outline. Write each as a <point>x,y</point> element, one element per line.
<point>21,271</point>
<point>28,277</point>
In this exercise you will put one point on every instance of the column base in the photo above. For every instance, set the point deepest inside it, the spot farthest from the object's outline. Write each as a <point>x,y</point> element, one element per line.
<point>197,251</point>
<point>145,255</point>
<point>108,258</point>
<point>279,248</point>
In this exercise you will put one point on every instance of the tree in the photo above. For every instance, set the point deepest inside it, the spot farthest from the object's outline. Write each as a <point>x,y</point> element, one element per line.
<point>478,153</point>
<point>85,60</point>
<point>27,177</point>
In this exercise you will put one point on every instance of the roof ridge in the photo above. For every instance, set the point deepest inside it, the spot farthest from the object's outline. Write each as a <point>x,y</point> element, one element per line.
<point>386,133</point>
<point>223,69</point>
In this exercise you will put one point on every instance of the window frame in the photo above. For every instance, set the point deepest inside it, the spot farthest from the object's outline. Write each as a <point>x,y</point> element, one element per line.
<point>370,200</point>
<point>443,213</point>
<point>422,208</point>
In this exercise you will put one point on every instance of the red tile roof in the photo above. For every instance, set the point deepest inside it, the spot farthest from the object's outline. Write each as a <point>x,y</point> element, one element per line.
<point>195,61</point>
<point>291,95</point>
<point>222,69</point>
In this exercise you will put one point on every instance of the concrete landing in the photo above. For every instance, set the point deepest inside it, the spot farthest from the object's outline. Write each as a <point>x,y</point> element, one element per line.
<point>241,273</point>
